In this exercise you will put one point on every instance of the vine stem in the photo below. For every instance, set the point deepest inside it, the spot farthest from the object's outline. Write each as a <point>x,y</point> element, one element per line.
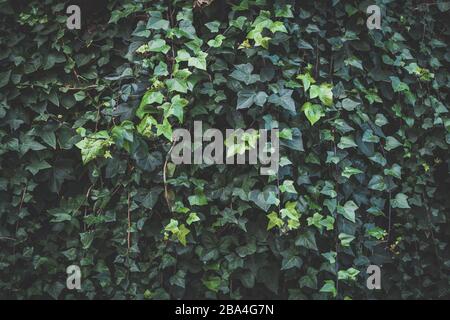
<point>129,223</point>
<point>389,205</point>
<point>166,190</point>
<point>22,200</point>
<point>7,238</point>
<point>172,24</point>
<point>87,204</point>
<point>336,234</point>
<point>81,88</point>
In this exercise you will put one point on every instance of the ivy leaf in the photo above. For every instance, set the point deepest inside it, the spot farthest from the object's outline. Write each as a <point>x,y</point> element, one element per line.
<point>238,22</point>
<point>243,73</point>
<point>246,250</point>
<point>178,85</point>
<point>158,45</point>
<point>377,233</point>
<point>199,199</point>
<point>348,210</point>
<point>94,146</point>
<point>193,217</point>
<point>164,129</point>
<point>284,12</point>
<point>260,98</point>
<point>288,186</point>
<point>328,223</point>
<point>349,274</point>
<point>400,201</point>
<point>307,240</point>
<point>265,199</point>
<point>284,99</point>
<point>329,287</point>
<point>161,70</point>
<point>156,22</point>
<point>151,198</point>
<point>182,233</point>
<point>261,41</point>
<point>86,239</point>
<point>213,26</point>
<point>395,171</point>
<point>274,221</point>
<point>314,91</point>
<point>277,26</point>
<point>37,166</point>
<point>198,62</point>
<point>346,239</point>
<point>377,183</point>
<point>49,138</point>
<point>307,80</point>
<point>313,112</point>
<point>61,217</point>
<point>330,256</point>
<point>172,226</point>
<point>4,78</point>
<point>347,142</point>
<point>291,262</point>
<point>354,62</point>
<point>212,283</point>
<point>349,104</point>
<point>368,136</point>
<point>176,107</point>
<point>182,55</point>
<point>217,41</point>
<point>245,99</point>
<point>178,279</point>
<point>397,85</point>
<point>391,143</point>
<point>326,94</point>
<point>79,96</point>
<point>350,171</point>
<point>150,97</point>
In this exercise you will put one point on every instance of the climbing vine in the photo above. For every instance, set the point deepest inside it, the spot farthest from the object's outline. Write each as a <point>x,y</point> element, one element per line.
<point>86,129</point>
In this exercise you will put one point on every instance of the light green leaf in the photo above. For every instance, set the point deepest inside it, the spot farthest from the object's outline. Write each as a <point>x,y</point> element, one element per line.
<point>198,62</point>
<point>346,239</point>
<point>150,97</point>
<point>217,41</point>
<point>158,45</point>
<point>176,84</point>
<point>288,186</point>
<point>199,199</point>
<point>313,112</point>
<point>329,287</point>
<point>274,221</point>
<point>349,274</point>
<point>326,94</point>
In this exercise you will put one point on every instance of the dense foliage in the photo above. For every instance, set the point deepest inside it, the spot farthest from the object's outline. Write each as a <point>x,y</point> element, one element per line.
<point>86,120</point>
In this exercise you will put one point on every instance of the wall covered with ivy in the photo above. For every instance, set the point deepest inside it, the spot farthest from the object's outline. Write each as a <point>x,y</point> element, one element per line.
<point>86,123</point>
